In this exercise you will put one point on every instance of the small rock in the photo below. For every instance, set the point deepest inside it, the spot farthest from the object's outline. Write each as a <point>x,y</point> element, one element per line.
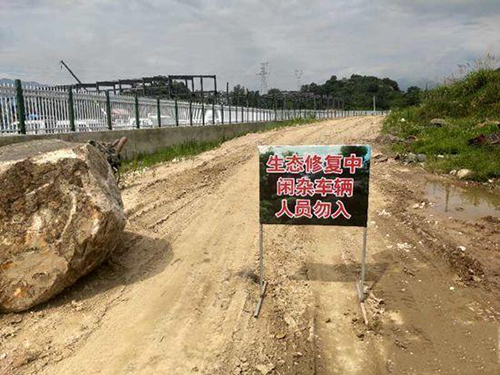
<point>421,158</point>
<point>3,356</point>
<point>453,172</point>
<point>410,158</point>
<point>404,246</point>
<point>477,279</point>
<point>461,248</point>
<point>452,288</point>
<point>402,345</point>
<point>464,173</point>
<point>78,306</point>
<point>328,320</point>
<point>383,213</point>
<point>16,319</point>
<point>280,336</point>
<point>388,139</point>
<point>408,271</point>
<point>265,369</point>
<point>438,122</point>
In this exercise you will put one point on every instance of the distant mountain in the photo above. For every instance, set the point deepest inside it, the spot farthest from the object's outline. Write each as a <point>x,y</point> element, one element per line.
<point>7,81</point>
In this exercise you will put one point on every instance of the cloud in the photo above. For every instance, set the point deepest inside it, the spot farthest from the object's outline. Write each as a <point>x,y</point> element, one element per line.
<point>111,39</point>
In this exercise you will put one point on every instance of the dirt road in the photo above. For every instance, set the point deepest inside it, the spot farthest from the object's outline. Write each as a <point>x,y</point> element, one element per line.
<point>178,296</point>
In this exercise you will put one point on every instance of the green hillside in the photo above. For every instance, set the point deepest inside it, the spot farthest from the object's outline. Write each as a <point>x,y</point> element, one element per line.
<point>470,108</point>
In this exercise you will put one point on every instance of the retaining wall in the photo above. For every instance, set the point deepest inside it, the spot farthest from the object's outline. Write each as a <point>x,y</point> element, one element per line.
<point>149,140</point>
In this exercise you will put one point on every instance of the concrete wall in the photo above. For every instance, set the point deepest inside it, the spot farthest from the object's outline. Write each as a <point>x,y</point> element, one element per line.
<point>148,140</point>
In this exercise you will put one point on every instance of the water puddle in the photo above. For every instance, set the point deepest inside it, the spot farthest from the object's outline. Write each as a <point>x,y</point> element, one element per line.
<point>465,203</point>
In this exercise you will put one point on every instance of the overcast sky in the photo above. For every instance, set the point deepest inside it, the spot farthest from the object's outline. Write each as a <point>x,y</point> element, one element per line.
<point>407,40</point>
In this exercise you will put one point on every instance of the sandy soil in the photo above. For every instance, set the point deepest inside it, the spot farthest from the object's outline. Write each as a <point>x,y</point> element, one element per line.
<point>178,296</point>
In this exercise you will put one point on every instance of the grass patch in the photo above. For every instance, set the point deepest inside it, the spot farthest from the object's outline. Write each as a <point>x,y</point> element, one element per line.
<point>470,107</point>
<point>192,148</point>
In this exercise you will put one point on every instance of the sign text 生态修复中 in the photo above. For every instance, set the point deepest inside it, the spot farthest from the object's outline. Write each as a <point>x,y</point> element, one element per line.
<point>316,185</point>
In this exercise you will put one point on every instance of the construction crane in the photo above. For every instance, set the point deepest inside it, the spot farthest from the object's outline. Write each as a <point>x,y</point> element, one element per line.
<point>71,72</point>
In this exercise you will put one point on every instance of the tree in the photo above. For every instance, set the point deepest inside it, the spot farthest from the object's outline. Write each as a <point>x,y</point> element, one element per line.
<point>239,95</point>
<point>412,96</point>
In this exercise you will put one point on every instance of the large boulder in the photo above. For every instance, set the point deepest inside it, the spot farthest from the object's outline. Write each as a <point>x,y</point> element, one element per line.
<point>61,215</point>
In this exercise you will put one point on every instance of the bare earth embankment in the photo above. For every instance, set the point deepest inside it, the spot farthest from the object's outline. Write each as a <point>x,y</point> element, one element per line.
<point>178,295</point>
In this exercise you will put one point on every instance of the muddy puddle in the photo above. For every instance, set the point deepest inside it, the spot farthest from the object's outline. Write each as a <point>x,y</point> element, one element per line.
<point>465,203</point>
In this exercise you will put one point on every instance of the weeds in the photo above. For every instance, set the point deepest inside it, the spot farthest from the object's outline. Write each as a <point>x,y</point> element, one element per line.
<point>192,148</point>
<point>470,107</point>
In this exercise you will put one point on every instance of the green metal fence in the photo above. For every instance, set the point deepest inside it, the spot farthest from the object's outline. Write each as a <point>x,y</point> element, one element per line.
<point>40,110</point>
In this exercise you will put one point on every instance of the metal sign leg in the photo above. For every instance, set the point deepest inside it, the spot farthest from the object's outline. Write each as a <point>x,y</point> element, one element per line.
<point>361,283</point>
<point>262,283</point>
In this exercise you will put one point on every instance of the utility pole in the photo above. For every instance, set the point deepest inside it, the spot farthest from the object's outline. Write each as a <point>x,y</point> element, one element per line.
<point>298,74</point>
<point>263,73</point>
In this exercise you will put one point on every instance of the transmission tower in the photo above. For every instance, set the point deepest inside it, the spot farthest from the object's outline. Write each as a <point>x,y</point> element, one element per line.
<point>298,74</point>
<point>263,73</point>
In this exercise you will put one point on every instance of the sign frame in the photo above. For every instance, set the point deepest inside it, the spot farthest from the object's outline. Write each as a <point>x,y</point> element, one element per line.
<point>360,284</point>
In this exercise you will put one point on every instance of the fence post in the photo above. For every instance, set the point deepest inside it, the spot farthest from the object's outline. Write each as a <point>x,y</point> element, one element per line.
<point>222,112</point>
<point>108,111</point>
<point>203,113</point>
<point>213,112</point>
<point>176,113</point>
<point>71,110</point>
<point>190,112</point>
<point>202,103</point>
<point>275,110</point>
<point>137,121</point>
<point>158,111</point>
<point>213,102</point>
<point>21,115</point>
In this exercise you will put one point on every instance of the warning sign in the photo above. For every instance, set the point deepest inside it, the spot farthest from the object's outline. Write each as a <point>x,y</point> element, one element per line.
<point>314,185</point>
